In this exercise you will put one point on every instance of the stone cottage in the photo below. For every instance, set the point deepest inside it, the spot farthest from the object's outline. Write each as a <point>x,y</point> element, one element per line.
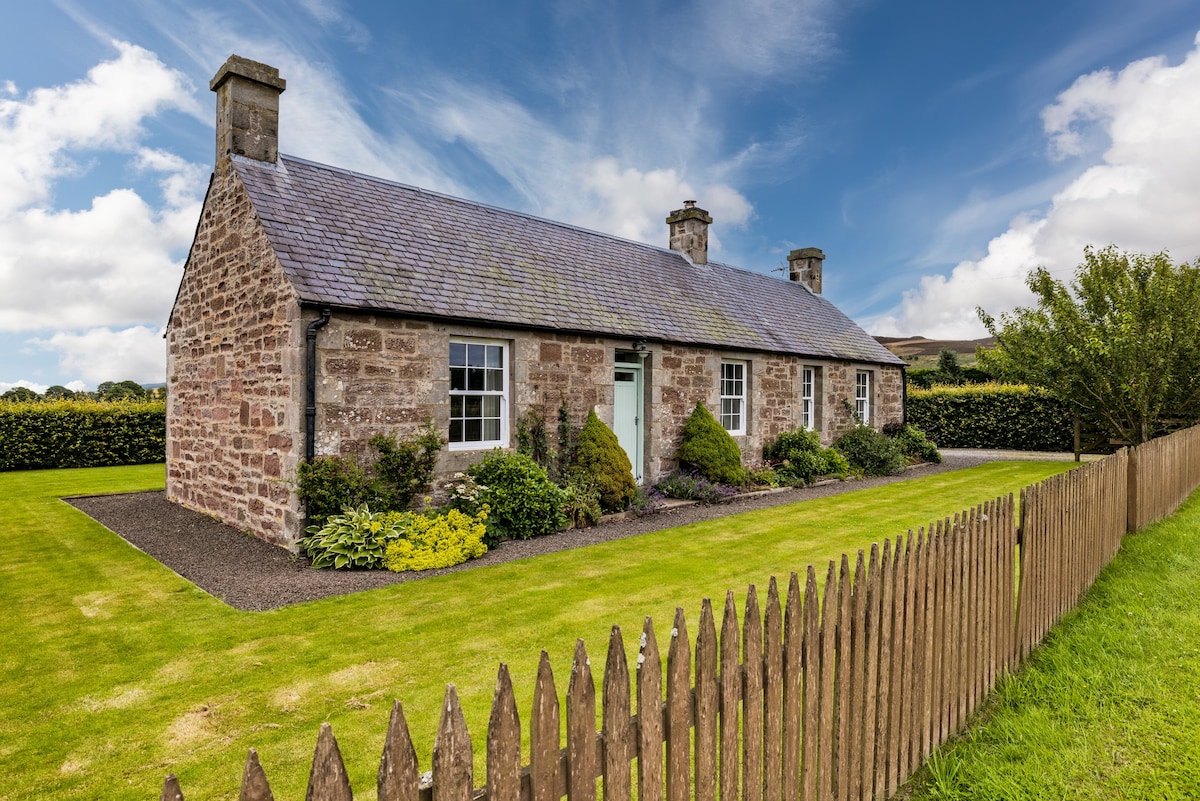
<point>319,306</point>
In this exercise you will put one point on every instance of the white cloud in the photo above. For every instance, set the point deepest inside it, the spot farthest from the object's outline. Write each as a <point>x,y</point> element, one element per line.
<point>319,112</point>
<point>114,263</point>
<point>331,14</point>
<point>105,354</point>
<point>38,388</point>
<point>117,261</point>
<point>1141,193</point>
<point>633,204</point>
<point>567,176</point>
<point>74,386</point>
<point>104,111</point>
<point>761,37</point>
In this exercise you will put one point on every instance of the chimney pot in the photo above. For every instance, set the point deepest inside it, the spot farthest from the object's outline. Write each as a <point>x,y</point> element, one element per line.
<point>247,110</point>
<point>689,231</point>
<point>804,265</point>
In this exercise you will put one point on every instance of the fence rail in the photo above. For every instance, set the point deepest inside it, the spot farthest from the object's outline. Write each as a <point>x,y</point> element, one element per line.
<point>837,690</point>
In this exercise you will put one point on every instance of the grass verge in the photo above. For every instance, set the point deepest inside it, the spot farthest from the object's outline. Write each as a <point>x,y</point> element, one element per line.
<point>118,671</point>
<point>1106,708</point>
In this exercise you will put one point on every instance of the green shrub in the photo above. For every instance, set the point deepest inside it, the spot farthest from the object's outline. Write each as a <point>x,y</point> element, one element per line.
<point>582,502</point>
<point>708,449</point>
<point>404,467</point>
<point>913,443</point>
<point>432,541</point>
<point>534,441</point>
<point>400,472</point>
<point>328,484</point>
<point>870,452</point>
<point>568,438</point>
<point>798,457</point>
<point>763,475</point>
<point>1009,416</point>
<point>524,502</point>
<point>357,538</point>
<point>601,461</point>
<point>43,435</point>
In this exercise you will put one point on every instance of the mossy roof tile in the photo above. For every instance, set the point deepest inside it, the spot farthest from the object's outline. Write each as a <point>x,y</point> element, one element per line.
<point>350,240</point>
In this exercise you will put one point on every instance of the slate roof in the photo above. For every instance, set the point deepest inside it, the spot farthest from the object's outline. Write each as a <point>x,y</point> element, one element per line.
<point>353,241</point>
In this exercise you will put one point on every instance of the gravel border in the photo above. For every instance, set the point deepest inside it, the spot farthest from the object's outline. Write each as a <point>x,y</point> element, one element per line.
<point>252,575</point>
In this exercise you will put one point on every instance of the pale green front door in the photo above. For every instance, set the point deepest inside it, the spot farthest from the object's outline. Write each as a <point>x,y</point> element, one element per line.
<point>627,413</point>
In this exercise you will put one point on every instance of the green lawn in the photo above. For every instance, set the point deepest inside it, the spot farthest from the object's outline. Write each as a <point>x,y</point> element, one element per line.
<point>117,671</point>
<point>1107,709</point>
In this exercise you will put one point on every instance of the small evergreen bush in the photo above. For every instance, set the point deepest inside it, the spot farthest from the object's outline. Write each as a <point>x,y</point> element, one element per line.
<point>708,449</point>
<point>798,457</point>
<point>870,452</point>
<point>524,502</point>
<point>432,541</point>
<point>601,461</point>
<point>356,538</point>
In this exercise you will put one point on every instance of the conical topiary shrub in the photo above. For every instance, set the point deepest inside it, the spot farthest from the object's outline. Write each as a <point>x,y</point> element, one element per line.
<point>710,450</point>
<point>600,459</point>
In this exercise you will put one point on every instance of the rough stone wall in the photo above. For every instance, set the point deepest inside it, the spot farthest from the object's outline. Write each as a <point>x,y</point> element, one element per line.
<point>553,369</point>
<point>385,374</point>
<point>887,397</point>
<point>381,374</point>
<point>234,375</point>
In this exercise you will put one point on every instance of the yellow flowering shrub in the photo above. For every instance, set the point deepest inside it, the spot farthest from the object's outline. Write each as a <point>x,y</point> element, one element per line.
<point>441,541</point>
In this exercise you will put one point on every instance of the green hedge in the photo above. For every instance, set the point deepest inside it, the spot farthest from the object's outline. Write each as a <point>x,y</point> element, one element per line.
<point>992,416</point>
<point>81,433</point>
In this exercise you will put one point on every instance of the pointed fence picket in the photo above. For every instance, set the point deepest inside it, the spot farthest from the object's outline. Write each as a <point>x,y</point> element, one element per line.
<point>837,693</point>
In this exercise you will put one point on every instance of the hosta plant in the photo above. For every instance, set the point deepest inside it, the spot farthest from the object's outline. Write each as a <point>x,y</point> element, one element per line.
<point>357,538</point>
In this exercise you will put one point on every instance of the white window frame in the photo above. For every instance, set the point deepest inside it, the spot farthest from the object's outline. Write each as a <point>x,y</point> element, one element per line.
<point>808,398</point>
<point>501,440</point>
<point>732,411</point>
<point>862,396</point>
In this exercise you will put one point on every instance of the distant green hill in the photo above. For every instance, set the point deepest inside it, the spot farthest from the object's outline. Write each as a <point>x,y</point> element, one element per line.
<point>922,352</point>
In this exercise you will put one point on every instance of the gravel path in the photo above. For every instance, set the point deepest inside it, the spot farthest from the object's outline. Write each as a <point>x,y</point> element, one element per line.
<point>252,575</point>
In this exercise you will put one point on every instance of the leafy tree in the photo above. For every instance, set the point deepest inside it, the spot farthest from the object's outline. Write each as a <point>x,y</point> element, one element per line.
<point>121,390</point>
<point>21,395</point>
<point>1120,345</point>
<point>949,371</point>
<point>59,392</point>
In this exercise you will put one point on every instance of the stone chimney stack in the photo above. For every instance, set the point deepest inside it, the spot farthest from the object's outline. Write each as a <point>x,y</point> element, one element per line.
<point>247,110</point>
<point>804,265</point>
<point>689,231</point>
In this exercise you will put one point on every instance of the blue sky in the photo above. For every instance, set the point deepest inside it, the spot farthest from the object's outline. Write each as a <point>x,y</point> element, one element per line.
<point>936,151</point>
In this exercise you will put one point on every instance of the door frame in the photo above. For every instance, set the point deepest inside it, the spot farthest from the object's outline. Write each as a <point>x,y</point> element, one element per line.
<point>638,369</point>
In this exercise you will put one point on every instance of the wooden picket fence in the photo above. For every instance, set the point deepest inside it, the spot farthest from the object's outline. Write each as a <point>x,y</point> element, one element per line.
<point>838,691</point>
<point>1163,474</point>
